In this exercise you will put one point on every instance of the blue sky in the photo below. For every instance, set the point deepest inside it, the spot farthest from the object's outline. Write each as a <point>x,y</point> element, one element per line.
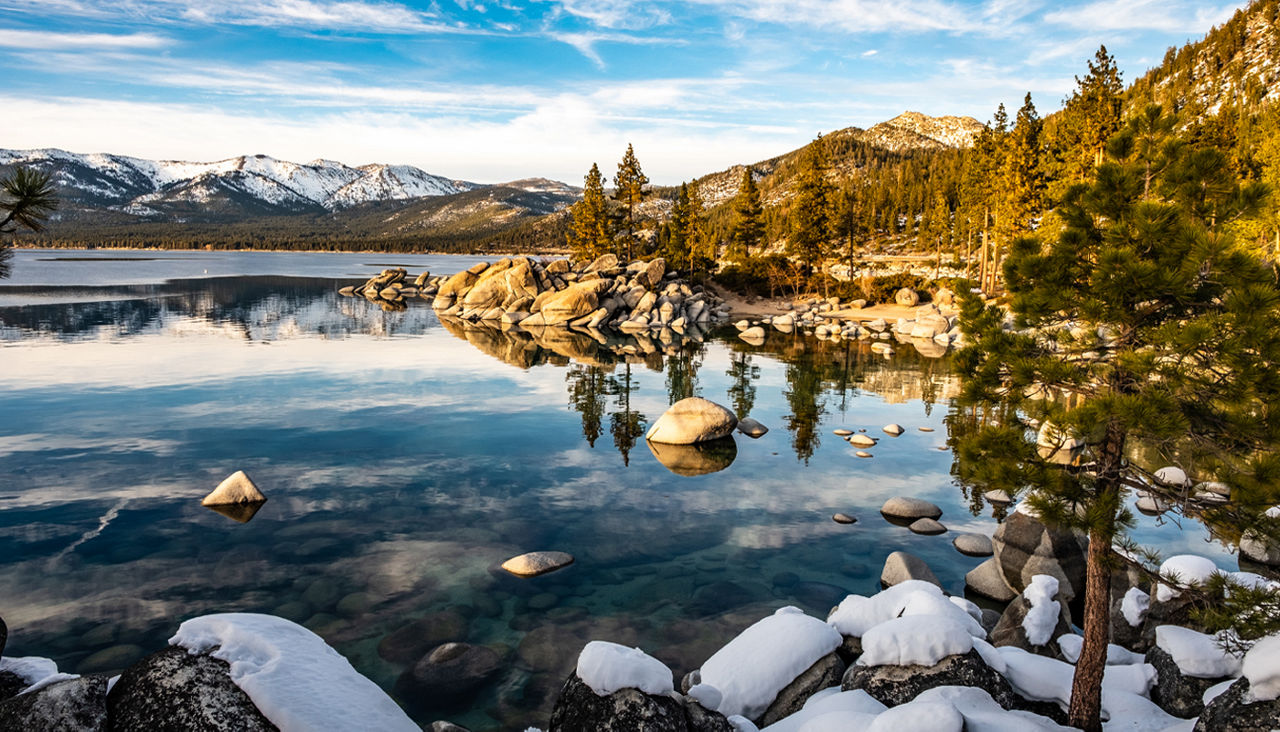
<point>494,90</point>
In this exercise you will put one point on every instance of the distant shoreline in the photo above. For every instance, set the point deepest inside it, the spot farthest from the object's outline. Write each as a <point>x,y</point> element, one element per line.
<point>104,248</point>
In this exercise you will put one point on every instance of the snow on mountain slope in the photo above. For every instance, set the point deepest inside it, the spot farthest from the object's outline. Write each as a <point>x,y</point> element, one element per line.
<point>135,184</point>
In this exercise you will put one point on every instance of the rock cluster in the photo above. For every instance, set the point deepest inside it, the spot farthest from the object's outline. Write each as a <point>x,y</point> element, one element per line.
<point>537,292</point>
<point>928,329</point>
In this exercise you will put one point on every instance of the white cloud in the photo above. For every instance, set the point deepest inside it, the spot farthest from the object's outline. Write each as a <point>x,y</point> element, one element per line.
<point>622,14</point>
<point>585,42</point>
<point>46,41</point>
<point>1158,15</point>
<point>869,53</point>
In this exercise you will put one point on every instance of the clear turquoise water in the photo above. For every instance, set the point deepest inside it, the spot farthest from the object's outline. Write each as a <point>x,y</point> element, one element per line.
<point>404,460</point>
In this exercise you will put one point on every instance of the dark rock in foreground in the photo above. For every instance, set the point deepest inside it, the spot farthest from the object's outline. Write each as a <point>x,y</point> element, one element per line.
<point>894,685</point>
<point>1175,692</point>
<point>174,691</point>
<point>73,705</point>
<point>825,672</point>
<point>1228,712</point>
<point>579,709</point>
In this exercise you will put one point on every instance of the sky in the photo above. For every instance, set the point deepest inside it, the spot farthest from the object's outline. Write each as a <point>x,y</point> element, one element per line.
<point>497,90</point>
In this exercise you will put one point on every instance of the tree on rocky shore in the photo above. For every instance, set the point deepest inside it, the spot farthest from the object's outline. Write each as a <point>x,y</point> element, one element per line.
<point>629,186</point>
<point>591,232</point>
<point>27,197</point>
<point>1142,324</point>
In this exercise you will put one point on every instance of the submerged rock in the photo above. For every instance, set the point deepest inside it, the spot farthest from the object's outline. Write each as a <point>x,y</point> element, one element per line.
<point>447,677</point>
<point>176,690</point>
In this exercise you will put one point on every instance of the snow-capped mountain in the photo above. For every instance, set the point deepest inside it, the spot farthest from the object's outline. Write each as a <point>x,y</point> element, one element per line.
<point>255,184</point>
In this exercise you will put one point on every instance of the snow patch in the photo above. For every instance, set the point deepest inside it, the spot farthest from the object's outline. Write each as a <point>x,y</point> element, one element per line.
<point>1186,569</point>
<point>752,668</point>
<point>822,703</point>
<point>919,716</point>
<point>921,640</point>
<point>291,674</point>
<point>607,667</point>
<point>37,672</point>
<point>856,614</point>
<point>1134,606</point>
<point>1262,668</point>
<point>1196,654</point>
<point>1072,645</point>
<point>982,713</point>
<point>1042,618</point>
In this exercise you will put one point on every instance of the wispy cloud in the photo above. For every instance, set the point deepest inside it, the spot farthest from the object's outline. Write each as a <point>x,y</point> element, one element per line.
<point>620,14</point>
<point>585,42</point>
<point>46,40</point>
<point>1159,15</point>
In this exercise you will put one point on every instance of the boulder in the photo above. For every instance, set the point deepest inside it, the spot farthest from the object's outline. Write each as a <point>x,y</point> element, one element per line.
<point>701,719</point>
<point>579,709</point>
<point>895,685</point>
<point>73,705</point>
<point>237,488</point>
<point>457,286</point>
<point>176,690</point>
<point>987,580</point>
<point>901,566</point>
<point>998,496</point>
<point>862,440</point>
<point>448,677</point>
<point>907,297</point>
<point>11,684</point>
<point>844,518</point>
<point>1177,693</point>
<point>533,564</point>
<point>1025,547</point>
<point>751,427</point>
<point>601,263</point>
<point>1235,711</point>
<point>652,275</point>
<point>973,545</point>
<point>1258,549</point>
<point>4,635</point>
<point>893,429</point>
<point>754,334</point>
<point>570,303</point>
<point>927,526</point>
<point>902,507</point>
<point>824,673</point>
<point>692,420</point>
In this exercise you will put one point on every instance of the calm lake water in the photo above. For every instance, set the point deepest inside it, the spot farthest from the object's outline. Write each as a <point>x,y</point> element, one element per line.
<point>405,458</point>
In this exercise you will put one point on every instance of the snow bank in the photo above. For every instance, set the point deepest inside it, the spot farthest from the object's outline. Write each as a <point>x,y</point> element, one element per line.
<point>1048,679</point>
<point>291,674</point>
<point>37,672</point>
<point>1134,606</point>
<point>982,714</point>
<point>919,716</point>
<point>607,667</point>
<point>1196,654</point>
<point>839,722</point>
<point>1186,569</point>
<point>914,639</point>
<point>849,702</point>
<point>1262,668</point>
<point>752,668</point>
<point>855,614</point>
<point>1072,645</point>
<point>1042,618</point>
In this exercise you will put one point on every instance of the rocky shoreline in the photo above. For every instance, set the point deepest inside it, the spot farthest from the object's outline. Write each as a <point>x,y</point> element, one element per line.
<point>910,655</point>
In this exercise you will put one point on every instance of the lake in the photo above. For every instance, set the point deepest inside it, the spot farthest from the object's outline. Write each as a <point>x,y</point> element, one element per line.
<point>405,459</point>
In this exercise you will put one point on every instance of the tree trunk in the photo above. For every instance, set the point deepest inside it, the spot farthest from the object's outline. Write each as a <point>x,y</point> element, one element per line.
<point>1086,686</point>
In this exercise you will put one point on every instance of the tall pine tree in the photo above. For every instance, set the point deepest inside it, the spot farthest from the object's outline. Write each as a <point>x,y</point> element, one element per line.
<point>591,230</point>
<point>629,186</point>
<point>809,221</point>
<point>748,223</point>
<point>1175,337</point>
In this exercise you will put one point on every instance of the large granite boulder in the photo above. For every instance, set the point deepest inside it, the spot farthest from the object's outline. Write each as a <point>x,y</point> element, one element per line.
<point>1025,547</point>
<point>894,685</point>
<point>987,580</point>
<point>901,566</point>
<point>173,690</point>
<point>1233,711</point>
<point>10,685</point>
<point>72,705</point>
<point>456,286</point>
<point>823,674</point>
<point>573,302</point>
<point>692,420</point>
<point>579,709</point>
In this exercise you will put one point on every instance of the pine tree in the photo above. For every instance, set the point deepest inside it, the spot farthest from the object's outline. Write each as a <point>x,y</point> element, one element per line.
<point>935,227</point>
<point>1176,334</point>
<point>809,221</point>
<point>748,224</point>
<point>591,232</point>
<point>677,247</point>
<point>1089,118</point>
<point>629,186</point>
<point>27,197</point>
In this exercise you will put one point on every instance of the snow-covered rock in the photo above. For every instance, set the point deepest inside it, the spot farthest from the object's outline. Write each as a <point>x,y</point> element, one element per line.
<point>174,689</point>
<point>1197,654</point>
<point>751,669</point>
<point>1134,606</point>
<point>856,614</point>
<point>1188,569</point>
<point>1262,668</point>
<point>77,703</point>
<point>291,674</point>
<point>1071,645</point>
<point>920,640</point>
<point>1042,616</point>
<point>828,702</point>
<point>607,667</point>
